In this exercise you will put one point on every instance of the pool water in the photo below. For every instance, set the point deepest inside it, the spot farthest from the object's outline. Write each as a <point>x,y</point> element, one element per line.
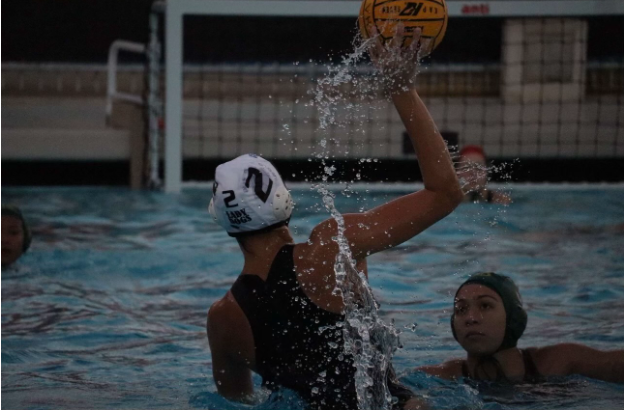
<point>108,308</point>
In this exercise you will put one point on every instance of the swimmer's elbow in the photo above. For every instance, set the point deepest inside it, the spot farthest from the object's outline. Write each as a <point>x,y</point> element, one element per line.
<point>455,193</point>
<point>448,187</point>
<point>449,200</point>
<point>456,197</point>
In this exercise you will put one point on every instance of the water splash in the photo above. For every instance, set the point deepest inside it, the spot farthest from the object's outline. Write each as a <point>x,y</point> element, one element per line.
<point>369,340</point>
<point>474,176</point>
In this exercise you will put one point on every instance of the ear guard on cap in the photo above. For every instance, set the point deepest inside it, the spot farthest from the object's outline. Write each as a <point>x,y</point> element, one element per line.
<point>211,210</point>
<point>282,204</point>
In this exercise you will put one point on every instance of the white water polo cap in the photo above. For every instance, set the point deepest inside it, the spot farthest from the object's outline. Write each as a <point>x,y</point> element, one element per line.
<point>249,196</point>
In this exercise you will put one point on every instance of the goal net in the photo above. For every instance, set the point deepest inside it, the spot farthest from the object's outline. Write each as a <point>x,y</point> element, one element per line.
<point>528,80</point>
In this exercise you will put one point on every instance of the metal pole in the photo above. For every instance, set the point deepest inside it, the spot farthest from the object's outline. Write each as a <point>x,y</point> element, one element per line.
<point>155,112</point>
<point>173,104</point>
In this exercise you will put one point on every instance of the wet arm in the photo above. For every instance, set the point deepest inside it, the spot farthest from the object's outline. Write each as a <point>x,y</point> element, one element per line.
<point>231,375</point>
<point>602,365</point>
<point>433,158</point>
<point>570,358</point>
<point>401,219</point>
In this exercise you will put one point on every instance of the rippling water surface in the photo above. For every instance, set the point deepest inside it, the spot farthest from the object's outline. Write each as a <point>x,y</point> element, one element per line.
<point>108,308</point>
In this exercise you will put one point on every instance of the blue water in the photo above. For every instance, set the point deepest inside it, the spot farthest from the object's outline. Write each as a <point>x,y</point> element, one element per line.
<point>108,308</point>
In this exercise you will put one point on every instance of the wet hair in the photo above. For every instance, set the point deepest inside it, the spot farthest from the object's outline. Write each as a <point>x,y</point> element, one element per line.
<point>14,211</point>
<point>242,235</point>
<point>516,319</point>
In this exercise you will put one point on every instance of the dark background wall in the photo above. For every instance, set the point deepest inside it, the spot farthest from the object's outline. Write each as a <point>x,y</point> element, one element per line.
<point>69,30</point>
<point>82,30</point>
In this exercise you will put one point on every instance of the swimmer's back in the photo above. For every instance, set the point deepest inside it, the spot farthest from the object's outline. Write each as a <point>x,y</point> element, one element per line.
<point>298,344</point>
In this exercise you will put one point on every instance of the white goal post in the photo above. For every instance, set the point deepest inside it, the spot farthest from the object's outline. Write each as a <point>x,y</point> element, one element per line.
<point>175,10</point>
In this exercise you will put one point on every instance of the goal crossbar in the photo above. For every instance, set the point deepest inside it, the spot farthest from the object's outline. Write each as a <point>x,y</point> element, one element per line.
<point>175,10</point>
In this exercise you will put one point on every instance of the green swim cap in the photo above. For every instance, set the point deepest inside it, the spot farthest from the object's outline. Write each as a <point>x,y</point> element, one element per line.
<point>12,210</point>
<point>512,302</point>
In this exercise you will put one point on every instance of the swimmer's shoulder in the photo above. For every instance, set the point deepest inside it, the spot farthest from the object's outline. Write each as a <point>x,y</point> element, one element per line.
<point>559,359</point>
<point>229,331</point>
<point>322,244</point>
<point>224,310</point>
<point>450,370</point>
<point>224,314</point>
<point>313,254</point>
<point>320,239</point>
<point>547,359</point>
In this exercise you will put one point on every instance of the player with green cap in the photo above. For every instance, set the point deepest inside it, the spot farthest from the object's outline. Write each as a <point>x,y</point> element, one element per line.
<point>487,321</point>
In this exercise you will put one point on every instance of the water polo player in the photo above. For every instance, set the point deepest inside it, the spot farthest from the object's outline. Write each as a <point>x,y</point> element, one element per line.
<point>487,321</point>
<point>472,171</point>
<point>16,236</point>
<point>282,318</point>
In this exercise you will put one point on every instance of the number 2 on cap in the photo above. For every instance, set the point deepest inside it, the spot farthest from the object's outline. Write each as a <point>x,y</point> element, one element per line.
<point>231,197</point>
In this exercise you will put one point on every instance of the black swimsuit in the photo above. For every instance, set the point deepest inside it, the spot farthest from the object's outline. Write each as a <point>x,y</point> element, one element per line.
<point>299,345</point>
<point>531,374</point>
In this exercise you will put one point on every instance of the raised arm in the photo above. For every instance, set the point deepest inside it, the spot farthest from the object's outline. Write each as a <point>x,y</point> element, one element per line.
<point>399,220</point>
<point>395,222</point>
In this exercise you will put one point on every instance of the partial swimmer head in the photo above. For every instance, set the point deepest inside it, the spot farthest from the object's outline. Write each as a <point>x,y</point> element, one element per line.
<point>472,168</point>
<point>498,319</point>
<point>473,152</point>
<point>249,196</point>
<point>16,235</point>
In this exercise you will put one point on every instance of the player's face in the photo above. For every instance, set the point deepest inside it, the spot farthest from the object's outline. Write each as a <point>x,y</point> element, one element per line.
<point>12,239</point>
<point>480,320</point>
<point>473,171</point>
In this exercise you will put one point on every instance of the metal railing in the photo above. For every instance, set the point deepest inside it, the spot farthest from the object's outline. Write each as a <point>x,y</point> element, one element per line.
<point>111,91</point>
